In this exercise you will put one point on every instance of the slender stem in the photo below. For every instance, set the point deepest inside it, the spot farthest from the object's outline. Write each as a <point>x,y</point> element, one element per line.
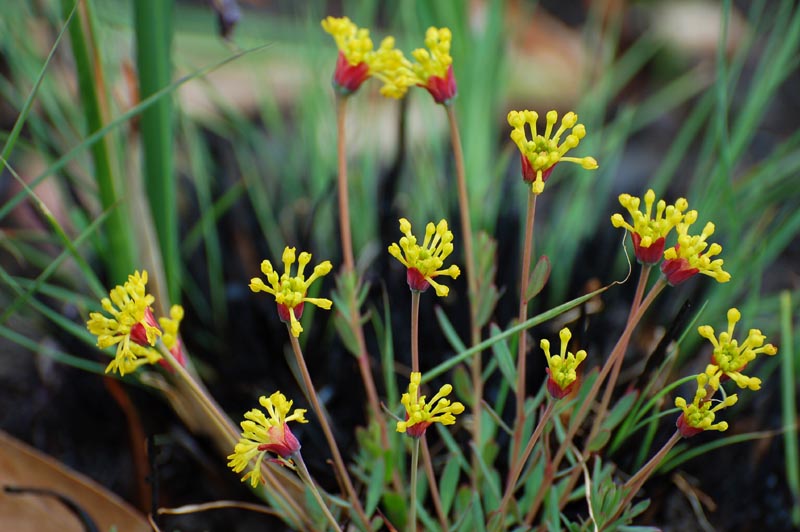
<point>344,201</point>
<point>415,331</point>
<point>311,394</point>
<point>527,251</point>
<point>635,483</point>
<point>617,365</point>
<point>514,474</point>
<point>476,370</point>
<point>434,485</point>
<point>305,476</point>
<point>412,513</point>
<point>354,320</point>
<point>577,420</point>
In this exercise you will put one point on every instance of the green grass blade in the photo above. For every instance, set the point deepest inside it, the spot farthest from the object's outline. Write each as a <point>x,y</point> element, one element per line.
<point>789,404</point>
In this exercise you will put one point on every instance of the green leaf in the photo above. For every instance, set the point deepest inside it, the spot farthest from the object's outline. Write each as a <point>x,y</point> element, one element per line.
<point>448,330</point>
<point>620,410</point>
<point>396,509</point>
<point>538,278</point>
<point>447,484</point>
<point>375,486</point>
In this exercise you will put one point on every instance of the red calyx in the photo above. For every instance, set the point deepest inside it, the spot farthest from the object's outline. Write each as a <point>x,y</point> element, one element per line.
<point>348,78</point>
<point>556,391</point>
<point>416,281</point>
<point>284,443</point>
<point>677,270</point>
<point>649,255</point>
<point>285,316</point>
<point>529,174</point>
<point>443,89</point>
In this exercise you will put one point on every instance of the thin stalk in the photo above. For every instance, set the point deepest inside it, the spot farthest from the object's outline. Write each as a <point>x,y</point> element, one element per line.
<point>311,394</point>
<point>415,331</point>
<point>437,499</point>
<point>343,189</point>
<point>612,379</point>
<point>354,320</point>
<point>527,251</point>
<point>412,512</point>
<point>635,483</point>
<point>305,476</point>
<point>618,351</point>
<point>476,370</point>
<point>514,474</point>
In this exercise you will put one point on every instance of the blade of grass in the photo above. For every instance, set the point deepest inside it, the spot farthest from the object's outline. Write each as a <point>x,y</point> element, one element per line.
<point>789,405</point>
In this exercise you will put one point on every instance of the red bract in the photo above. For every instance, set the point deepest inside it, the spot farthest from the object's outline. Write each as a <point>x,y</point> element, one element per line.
<point>348,78</point>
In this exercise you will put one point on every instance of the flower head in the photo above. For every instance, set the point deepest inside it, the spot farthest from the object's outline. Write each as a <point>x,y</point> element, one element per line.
<point>690,257</point>
<point>425,262</point>
<point>290,291</point>
<point>647,232</point>
<point>131,327</point>
<point>730,358</point>
<point>699,415</point>
<point>561,369</point>
<point>420,414</point>
<point>262,434</point>
<point>434,67</point>
<point>542,152</point>
<point>357,60</point>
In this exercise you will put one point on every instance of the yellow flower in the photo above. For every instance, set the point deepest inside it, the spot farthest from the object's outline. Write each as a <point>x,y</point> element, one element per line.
<point>424,262</point>
<point>542,152</point>
<point>690,257</point>
<point>730,357</point>
<point>699,415</point>
<point>131,327</point>
<point>262,434</point>
<point>420,414</point>
<point>290,291</point>
<point>358,60</point>
<point>562,369</point>
<point>647,232</point>
<point>434,67</point>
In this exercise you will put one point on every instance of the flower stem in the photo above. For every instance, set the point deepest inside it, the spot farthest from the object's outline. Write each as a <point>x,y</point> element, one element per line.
<point>415,330</point>
<point>527,251</point>
<point>434,486</point>
<point>635,483</point>
<point>513,475</point>
<point>344,201</point>
<point>476,372</point>
<point>412,513</point>
<point>311,394</point>
<point>575,423</point>
<point>305,476</point>
<point>353,319</point>
<point>617,364</point>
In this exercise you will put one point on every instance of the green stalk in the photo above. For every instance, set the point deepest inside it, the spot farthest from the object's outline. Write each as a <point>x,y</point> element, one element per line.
<point>412,513</point>
<point>153,24</point>
<point>789,403</point>
<point>120,244</point>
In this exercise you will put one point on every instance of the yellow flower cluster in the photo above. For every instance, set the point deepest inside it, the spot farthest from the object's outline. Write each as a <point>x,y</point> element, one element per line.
<point>542,152</point>
<point>699,415</point>
<point>649,232</point>
<point>132,326</point>
<point>262,434</point>
<point>730,357</point>
<point>424,262</point>
<point>693,257</point>
<point>562,368</point>
<point>290,290</point>
<point>420,414</point>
